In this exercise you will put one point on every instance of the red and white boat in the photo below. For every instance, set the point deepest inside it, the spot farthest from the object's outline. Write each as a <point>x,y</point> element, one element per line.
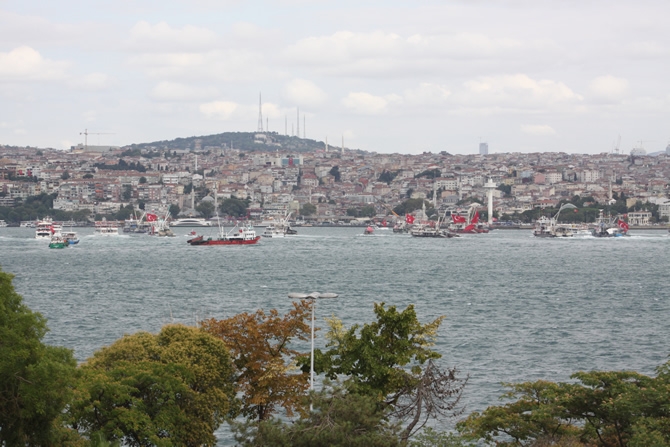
<point>239,235</point>
<point>469,223</point>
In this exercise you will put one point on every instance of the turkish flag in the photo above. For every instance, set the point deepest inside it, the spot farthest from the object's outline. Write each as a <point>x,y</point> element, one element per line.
<point>151,217</point>
<point>409,219</point>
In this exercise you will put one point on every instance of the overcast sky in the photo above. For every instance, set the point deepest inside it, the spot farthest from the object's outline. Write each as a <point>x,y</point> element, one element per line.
<point>387,76</point>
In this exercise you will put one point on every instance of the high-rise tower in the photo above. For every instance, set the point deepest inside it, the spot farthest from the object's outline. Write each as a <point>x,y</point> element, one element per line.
<point>260,114</point>
<point>483,148</point>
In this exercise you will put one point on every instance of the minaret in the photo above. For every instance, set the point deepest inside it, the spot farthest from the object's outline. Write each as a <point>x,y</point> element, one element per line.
<point>342,144</point>
<point>490,186</point>
<point>326,144</point>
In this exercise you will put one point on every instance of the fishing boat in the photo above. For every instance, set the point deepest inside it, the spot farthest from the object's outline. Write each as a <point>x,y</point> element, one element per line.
<point>469,223</point>
<point>239,235</point>
<point>58,241</point>
<point>549,226</point>
<point>607,226</point>
<point>369,230</point>
<point>106,227</point>
<point>46,228</point>
<point>431,229</point>
<point>159,226</point>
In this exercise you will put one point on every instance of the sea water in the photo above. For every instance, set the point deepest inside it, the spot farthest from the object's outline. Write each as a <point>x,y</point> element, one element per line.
<point>517,308</point>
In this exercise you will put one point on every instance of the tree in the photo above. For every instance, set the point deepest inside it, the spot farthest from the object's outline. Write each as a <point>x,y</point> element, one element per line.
<point>339,419</point>
<point>174,211</point>
<point>143,180</point>
<point>205,208</point>
<point>335,172</point>
<point>391,360</point>
<point>264,362</point>
<point>234,207</point>
<point>173,388</point>
<point>36,380</point>
<point>388,176</point>
<point>127,192</point>
<point>65,175</point>
<point>88,176</point>
<point>308,209</point>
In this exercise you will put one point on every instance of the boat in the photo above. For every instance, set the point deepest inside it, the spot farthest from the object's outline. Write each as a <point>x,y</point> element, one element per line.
<point>369,230</point>
<point>191,222</point>
<point>273,231</point>
<point>431,229</point>
<point>45,228</point>
<point>549,226</point>
<point>610,226</point>
<point>239,235</point>
<point>27,224</point>
<point>3,224</point>
<point>469,223</point>
<point>58,241</point>
<point>158,226</point>
<point>106,227</point>
<point>70,237</point>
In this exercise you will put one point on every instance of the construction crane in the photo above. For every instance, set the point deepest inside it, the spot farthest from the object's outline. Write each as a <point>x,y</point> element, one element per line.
<point>86,133</point>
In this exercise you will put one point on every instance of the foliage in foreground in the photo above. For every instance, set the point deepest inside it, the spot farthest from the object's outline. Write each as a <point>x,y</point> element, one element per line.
<point>604,409</point>
<point>391,360</point>
<point>36,380</point>
<point>265,362</point>
<point>170,389</point>
<point>339,418</point>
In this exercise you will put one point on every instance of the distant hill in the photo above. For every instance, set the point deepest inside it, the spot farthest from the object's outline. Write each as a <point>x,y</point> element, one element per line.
<point>244,141</point>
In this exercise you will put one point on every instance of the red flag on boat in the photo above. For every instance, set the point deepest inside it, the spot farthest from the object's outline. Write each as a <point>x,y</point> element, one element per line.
<point>475,218</point>
<point>409,219</point>
<point>52,229</point>
<point>470,227</point>
<point>151,217</point>
<point>623,225</point>
<point>384,223</point>
<point>457,219</point>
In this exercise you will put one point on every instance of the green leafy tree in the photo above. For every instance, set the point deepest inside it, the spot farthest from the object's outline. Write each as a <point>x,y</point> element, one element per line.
<point>339,419</point>
<point>143,180</point>
<point>234,207</point>
<point>65,175</point>
<point>391,360</point>
<point>88,176</point>
<point>127,192</point>
<point>308,209</point>
<point>170,389</point>
<point>36,380</point>
<point>174,210</point>
<point>205,208</point>
<point>335,172</point>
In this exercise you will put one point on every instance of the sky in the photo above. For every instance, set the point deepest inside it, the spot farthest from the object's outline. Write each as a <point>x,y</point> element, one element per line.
<point>582,76</point>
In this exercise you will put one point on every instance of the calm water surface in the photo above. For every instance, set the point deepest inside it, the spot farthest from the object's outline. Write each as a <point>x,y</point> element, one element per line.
<point>517,308</point>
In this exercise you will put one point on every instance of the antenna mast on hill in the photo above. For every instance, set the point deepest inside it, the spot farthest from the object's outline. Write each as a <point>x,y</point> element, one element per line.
<point>297,126</point>
<point>260,114</point>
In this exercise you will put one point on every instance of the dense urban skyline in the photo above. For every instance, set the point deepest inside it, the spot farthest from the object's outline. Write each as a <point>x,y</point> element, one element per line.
<point>576,77</point>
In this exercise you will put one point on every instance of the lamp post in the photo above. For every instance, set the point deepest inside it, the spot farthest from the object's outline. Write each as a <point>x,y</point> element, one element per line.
<point>312,296</point>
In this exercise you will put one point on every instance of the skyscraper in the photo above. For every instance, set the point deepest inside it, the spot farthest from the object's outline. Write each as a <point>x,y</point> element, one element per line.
<point>483,148</point>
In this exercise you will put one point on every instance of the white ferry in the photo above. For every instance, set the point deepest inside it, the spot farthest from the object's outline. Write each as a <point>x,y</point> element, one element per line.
<point>3,223</point>
<point>46,227</point>
<point>191,222</point>
<point>106,227</point>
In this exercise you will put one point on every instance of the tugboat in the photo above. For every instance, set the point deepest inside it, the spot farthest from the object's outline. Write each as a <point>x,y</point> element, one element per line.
<point>57,241</point>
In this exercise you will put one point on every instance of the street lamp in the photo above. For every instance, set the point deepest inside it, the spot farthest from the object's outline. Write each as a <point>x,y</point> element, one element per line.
<point>312,296</point>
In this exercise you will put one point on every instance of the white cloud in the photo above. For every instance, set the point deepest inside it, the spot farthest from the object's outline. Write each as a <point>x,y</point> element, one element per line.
<point>501,94</point>
<point>426,94</point>
<point>304,93</point>
<point>609,88</point>
<point>93,81</point>
<point>219,110</point>
<point>174,91</point>
<point>538,129</point>
<point>367,104</point>
<point>25,63</point>
<point>161,37</point>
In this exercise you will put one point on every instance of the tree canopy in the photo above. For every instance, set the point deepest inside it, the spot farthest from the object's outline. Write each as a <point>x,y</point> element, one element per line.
<point>265,363</point>
<point>36,380</point>
<point>170,389</point>
<point>234,207</point>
